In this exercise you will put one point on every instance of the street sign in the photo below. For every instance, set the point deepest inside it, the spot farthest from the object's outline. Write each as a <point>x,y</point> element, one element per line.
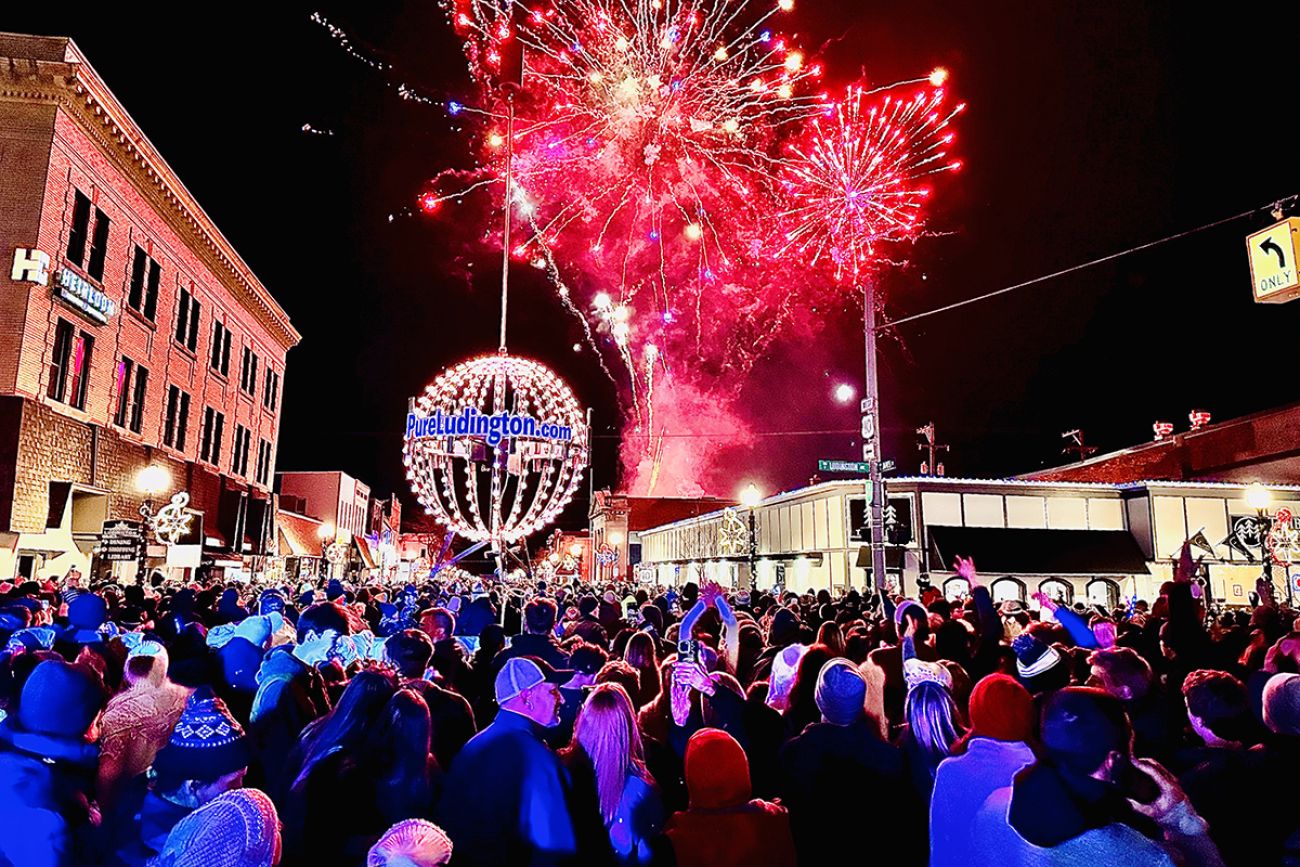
<point>843,467</point>
<point>886,466</point>
<point>121,541</point>
<point>1273,273</point>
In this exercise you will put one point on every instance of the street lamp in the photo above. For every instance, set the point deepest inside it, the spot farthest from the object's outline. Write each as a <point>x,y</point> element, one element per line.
<point>750,497</point>
<point>325,532</point>
<point>1260,498</point>
<point>150,481</point>
<point>844,393</point>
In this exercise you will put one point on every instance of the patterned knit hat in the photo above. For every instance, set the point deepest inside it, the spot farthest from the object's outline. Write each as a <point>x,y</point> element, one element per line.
<point>206,744</point>
<point>412,843</point>
<point>239,828</point>
<point>1036,663</point>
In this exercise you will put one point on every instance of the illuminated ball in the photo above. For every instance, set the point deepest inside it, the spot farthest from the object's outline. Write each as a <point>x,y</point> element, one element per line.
<point>495,448</point>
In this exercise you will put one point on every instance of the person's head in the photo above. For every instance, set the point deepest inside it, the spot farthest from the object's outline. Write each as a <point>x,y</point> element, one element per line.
<point>404,734</point>
<point>586,660</point>
<point>207,754</point>
<point>802,691</point>
<point>522,688</point>
<point>348,722</point>
<point>60,700</point>
<point>411,843</point>
<point>587,606</point>
<point>410,651</point>
<point>1122,672</point>
<point>539,616</point>
<point>606,732</point>
<point>1085,730</point>
<point>1001,709</point>
<point>841,693</point>
<point>932,717</point>
<point>1217,708</point>
<point>641,652</point>
<point>320,618</point>
<point>913,612</point>
<point>146,669</point>
<point>1282,704</point>
<point>620,672</point>
<point>1040,666</point>
<point>830,635</point>
<point>439,623</point>
<point>239,828</point>
<point>716,771</point>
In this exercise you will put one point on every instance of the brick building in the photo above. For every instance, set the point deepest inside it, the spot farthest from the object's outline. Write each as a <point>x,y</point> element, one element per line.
<point>131,332</point>
<point>338,500</point>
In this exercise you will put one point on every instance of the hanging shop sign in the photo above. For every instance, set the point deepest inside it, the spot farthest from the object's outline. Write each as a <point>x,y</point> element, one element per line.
<point>31,266</point>
<point>121,541</point>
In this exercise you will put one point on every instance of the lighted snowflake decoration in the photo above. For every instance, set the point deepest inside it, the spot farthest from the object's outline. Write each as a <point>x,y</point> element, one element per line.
<point>1284,538</point>
<point>495,448</point>
<point>606,555</point>
<point>733,535</point>
<point>336,553</point>
<point>173,520</point>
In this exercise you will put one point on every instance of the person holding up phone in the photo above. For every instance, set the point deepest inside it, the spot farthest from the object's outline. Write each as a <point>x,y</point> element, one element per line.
<point>1087,800</point>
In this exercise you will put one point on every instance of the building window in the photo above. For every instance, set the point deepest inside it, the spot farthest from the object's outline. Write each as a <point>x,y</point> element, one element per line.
<point>145,277</point>
<point>70,365</point>
<point>1103,592</point>
<point>239,462</point>
<point>178,418</point>
<point>137,398</point>
<point>956,588</point>
<point>214,425</point>
<point>1060,592</point>
<point>187,320</point>
<point>219,359</point>
<point>1007,590</point>
<point>125,368</point>
<point>271,390</point>
<point>248,371</point>
<point>263,462</point>
<point>82,231</point>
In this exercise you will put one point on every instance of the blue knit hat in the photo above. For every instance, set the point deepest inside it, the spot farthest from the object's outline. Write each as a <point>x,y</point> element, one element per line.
<point>841,692</point>
<point>59,699</point>
<point>88,611</point>
<point>206,744</point>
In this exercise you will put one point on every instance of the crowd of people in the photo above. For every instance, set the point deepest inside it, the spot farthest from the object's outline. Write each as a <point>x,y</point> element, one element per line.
<point>509,722</point>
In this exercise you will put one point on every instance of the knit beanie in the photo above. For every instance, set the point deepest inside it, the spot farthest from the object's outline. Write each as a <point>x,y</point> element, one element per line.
<point>334,589</point>
<point>271,601</point>
<point>1002,709</point>
<point>218,636</point>
<point>59,699</point>
<point>785,665</point>
<point>841,692</point>
<point>411,843</point>
<point>206,744</point>
<point>88,611</point>
<point>1282,704</point>
<point>239,828</point>
<point>1035,662</point>
<point>1083,725</point>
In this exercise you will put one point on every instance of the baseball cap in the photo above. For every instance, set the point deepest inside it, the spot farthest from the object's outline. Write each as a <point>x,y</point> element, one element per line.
<point>521,673</point>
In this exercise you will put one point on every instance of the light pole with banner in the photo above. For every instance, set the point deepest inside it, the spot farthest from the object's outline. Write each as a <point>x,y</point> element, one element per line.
<point>150,481</point>
<point>750,498</point>
<point>870,437</point>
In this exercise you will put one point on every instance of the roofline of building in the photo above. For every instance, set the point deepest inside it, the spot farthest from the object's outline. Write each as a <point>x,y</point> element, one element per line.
<point>74,84</point>
<point>942,481</point>
<point>1173,440</point>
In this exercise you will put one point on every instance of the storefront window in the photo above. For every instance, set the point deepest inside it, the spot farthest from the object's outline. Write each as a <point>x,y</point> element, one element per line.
<point>1103,592</point>
<point>1058,591</point>
<point>1007,589</point>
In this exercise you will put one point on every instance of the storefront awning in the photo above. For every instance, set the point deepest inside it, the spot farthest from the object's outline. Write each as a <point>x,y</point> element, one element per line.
<point>893,557</point>
<point>299,535</point>
<point>1018,551</point>
<point>363,548</point>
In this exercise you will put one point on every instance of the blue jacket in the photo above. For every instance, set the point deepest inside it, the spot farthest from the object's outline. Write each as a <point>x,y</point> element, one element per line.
<point>504,801</point>
<point>961,786</point>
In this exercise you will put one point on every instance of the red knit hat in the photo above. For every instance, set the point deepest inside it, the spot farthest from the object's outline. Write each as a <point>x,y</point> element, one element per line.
<point>1002,709</point>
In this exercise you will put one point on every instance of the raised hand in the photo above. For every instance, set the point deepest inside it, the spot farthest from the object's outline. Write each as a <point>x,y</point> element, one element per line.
<point>1047,603</point>
<point>965,568</point>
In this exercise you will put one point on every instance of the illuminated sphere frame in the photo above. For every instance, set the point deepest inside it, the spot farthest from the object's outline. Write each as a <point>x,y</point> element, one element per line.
<point>497,494</point>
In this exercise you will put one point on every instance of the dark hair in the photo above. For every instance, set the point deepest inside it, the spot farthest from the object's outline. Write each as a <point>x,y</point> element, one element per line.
<point>346,725</point>
<point>539,616</point>
<point>620,672</point>
<point>1220,701</point>
<point>322,616</point>
<point>410,650</point>
<point>399,751</point>
<point>1123,667</point>
<point>586,657</point>
<point>438,619</point>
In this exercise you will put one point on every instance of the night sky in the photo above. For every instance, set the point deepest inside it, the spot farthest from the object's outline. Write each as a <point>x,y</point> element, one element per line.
<point>1092,128</point>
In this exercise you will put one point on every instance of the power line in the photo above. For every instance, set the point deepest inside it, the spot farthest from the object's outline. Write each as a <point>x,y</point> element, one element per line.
<point>1288,200</point>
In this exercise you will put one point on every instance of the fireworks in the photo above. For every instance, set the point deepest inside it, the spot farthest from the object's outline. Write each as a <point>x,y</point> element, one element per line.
<point>857,178</point>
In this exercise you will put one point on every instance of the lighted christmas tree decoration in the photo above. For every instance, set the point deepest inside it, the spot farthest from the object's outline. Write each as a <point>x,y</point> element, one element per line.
<point>495,448</point>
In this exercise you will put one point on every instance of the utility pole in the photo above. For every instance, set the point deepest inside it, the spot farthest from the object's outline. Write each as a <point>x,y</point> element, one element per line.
<point>931,467</point>
<point>1076,445</point>
<point>870,426</point>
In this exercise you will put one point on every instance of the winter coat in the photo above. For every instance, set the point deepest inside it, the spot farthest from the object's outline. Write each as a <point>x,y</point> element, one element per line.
<point>452,718</point>
<point>135,726</point>
<point>631,836</point>
<point>289,696</point>
<point>961,786</point>
<point>723,827</point>
<point>504,801</point>
<point>831,777</point>
<point>43,806</point>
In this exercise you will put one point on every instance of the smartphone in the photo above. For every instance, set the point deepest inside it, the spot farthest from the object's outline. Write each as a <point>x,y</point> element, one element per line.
<point>688,649</point>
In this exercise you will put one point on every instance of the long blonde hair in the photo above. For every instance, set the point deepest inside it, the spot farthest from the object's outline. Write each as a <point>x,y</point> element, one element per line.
<point>606,734</point>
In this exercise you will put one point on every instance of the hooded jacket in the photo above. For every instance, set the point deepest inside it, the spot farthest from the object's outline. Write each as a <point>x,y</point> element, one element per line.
<point>722,826</point>
<point>961,786</point>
